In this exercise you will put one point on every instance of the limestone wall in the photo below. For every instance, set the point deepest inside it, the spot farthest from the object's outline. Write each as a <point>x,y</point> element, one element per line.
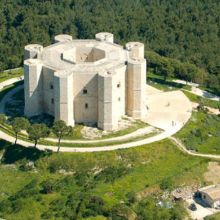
<point>63,96</point>
<point>33,87</point>
<point>32,51</point>
<point>135,49</point>
<point>105,36</point>
<point>86,97</point>
<point>62,38</point>
<point>111,97</point>
<point>48,91</point>
<point>136,81</point>
<point>86,81</point>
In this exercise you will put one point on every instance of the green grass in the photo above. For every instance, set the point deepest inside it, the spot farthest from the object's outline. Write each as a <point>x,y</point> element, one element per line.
<point>146,168</point>
<point>158,82</point>
<point>8,130</point>
<point>202,133</point>
<point>204,101</point>
<point>99,144</point>
<point>11,74</point>
<point>213,217</point>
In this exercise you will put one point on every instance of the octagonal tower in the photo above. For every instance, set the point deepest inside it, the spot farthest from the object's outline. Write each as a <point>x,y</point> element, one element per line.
<point>86,81</point>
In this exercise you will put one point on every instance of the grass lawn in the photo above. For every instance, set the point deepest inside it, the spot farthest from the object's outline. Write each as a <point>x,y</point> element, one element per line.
<point>11,74</point>
<point>202,133</point>
<point>213,217</point>
<point>158,82</point>
<point>110,176</point>
<point>204,101</point>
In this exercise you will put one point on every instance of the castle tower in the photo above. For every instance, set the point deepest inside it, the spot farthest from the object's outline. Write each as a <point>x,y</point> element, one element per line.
<point>33,87</point>
<point>62,38</point>
<point>32,51</point>
<point>94,81</point>
<point>136,80</point>
<point>63,97</point>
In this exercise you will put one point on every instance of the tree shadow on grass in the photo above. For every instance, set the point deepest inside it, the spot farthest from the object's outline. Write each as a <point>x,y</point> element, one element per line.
<point>167,83</point>
<point>14,153</point>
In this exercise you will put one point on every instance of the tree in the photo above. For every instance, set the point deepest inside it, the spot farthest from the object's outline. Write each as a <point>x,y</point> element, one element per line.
<point>2,118</point>
<point>37,131</point>
<point>60,129</point>
<point>19,124</point>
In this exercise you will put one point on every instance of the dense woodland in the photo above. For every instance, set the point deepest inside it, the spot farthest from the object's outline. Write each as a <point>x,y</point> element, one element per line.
<point>185,30</point>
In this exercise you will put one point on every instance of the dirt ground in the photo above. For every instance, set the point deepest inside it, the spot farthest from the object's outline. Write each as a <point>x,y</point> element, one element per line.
<point>213,173</point>
<point>167,110</point>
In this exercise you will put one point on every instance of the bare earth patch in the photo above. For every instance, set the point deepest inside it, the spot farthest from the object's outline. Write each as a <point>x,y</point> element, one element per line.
<point>213,173</point>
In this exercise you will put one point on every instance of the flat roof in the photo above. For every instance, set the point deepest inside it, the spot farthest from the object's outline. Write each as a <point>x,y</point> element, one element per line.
<point>51,56</point>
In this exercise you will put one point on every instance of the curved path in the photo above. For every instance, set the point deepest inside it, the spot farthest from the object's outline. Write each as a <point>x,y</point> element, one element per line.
<point>184,149</point>
<point>137,133</point>
<point>154,115</point>
<point>149,140</point>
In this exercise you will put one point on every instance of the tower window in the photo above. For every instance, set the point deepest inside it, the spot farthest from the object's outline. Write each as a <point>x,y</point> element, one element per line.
<point>51,86</point>
<point>85,91</point>
<point>86,105</point>
<point>118,85</point>
<point>119,99</point>
<point>52,101</point>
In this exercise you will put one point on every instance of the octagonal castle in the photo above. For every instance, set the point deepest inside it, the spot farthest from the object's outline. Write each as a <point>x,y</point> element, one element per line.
<point>85,81</point>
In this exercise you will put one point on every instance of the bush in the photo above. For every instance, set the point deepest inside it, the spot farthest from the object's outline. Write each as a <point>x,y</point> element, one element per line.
<point>166,184</point>
<point>48,186</point>
<point>110,174</point>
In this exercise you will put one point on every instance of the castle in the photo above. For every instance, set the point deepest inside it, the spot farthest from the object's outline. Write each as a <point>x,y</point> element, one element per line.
<point>85,81</point>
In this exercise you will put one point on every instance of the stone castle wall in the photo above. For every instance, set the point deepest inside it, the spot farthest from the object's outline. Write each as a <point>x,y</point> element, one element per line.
<point>96,82</point>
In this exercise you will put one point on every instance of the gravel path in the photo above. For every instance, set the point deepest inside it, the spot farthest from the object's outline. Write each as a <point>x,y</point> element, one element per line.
<point>149,140</point>
<point>137,133</point>
<point>182,147</point>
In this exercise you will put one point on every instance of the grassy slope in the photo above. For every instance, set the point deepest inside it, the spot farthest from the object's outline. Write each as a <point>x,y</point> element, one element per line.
<point>202,133</point>
<point>11,74</point>
<point>204,101</point>
<point>213,217</point>
<point>147,168</point>
<point>158,82</point>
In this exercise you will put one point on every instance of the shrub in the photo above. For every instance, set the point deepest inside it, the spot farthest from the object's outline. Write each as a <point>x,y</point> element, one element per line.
<point>166,184</point>
<point>48,186</point>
